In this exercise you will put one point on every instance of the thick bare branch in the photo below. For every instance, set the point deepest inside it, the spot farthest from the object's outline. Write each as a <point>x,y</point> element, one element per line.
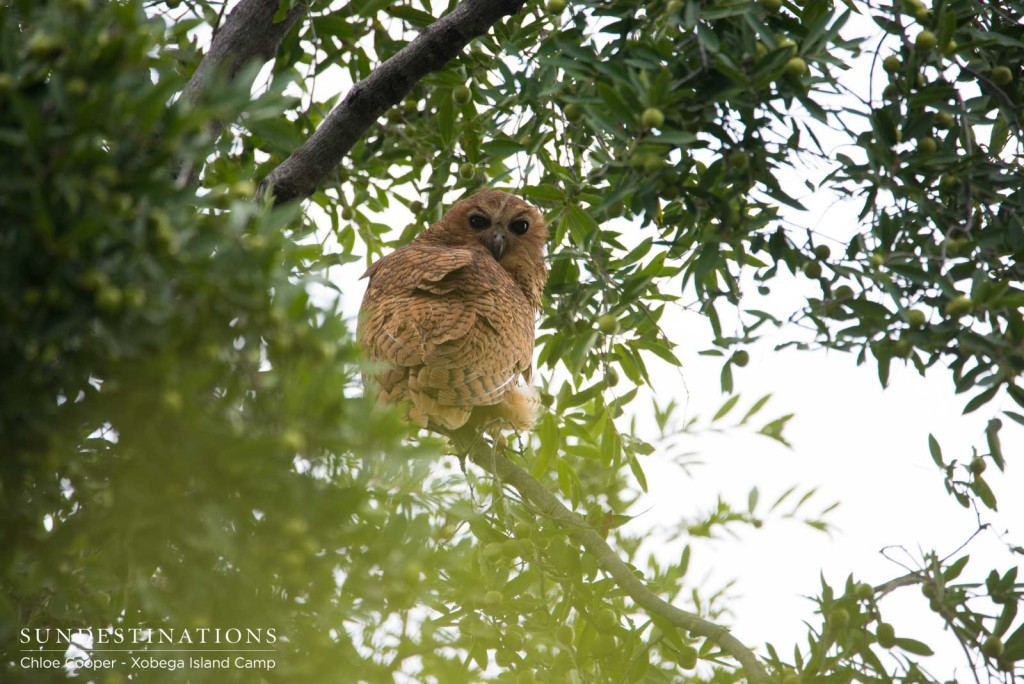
<point>548,505</point>
<point>308,166</point>
<point>249,34</point>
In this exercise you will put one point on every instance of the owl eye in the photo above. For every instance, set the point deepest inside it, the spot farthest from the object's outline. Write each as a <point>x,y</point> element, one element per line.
<point>519,226</point>
<point>479,221</point>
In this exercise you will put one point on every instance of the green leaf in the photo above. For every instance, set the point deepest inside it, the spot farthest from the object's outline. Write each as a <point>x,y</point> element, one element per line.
<point>984,492</point>
<point>758,405</point>
<point>726,407</point>
<point>981,399</point>
<point>915,647</point>
<point>638,472</point>
<point>992,436</point>
<point>446,122</point>
<point>936,451</point>
<point>954,570</point>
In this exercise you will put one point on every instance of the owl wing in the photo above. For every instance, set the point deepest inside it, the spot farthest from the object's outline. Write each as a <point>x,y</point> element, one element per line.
<point>450,323</point>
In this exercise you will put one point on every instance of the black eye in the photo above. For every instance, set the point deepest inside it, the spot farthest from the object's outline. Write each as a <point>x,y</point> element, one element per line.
<point>479,221</point>
<point>519,226</point>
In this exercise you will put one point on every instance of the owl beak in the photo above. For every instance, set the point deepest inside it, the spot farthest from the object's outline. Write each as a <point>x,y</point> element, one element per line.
<point>497,241</point>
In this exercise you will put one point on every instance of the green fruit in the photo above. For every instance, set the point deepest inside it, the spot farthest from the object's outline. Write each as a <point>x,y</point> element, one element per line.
<point>564,634</point>
<point>741,358</point>
<point>514,638</point>
<point>926,41</point>
<point>927,145</point>
<point>738,159</point>
<point>822,252</point>
<point>493,598</point>
<point>611,377</point>
<point>992,647</point>
<point>512,548</point>
<point>902,348</point>
<point>977,465</point>
<point>556,6</point>
<point>134,297</point>
<point>526,677</point>
<point>493,550</point>
<point>892,64</point>
<point>916,318</point>
<point>606,619</point>
<point>652,118</point>
<point>293,440</point>
<point>795,67</point>
<point>812,269</point>
<point>109,298</point>
<point>44,46</point>
<point>648,161</point>
<point>346,213</point>
<point>467,170</point>
<point>573,112</point>
<point>1002,76</point>
<point>839,619</point>
<point>863,591</point>
<point>172,401</point>
<point>608,324</point>
<point>958,306</point>
<point>772,6</point>
<point>93,280</point>
<point>522,529</point>
<point>843,292</point>
<point>687,657</point>
<point>949,182</point>
<point>944,120</point>
<point>891,91</point>
<point>461,94</point>
<point>674,7</point>
<point>923,15</point>
<point>789,43</point>
<point>886,635</point>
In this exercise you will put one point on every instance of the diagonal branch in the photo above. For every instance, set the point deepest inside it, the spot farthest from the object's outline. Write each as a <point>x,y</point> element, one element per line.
<point>249,34</point>
<point>549,505</point>
<point>306,169</point>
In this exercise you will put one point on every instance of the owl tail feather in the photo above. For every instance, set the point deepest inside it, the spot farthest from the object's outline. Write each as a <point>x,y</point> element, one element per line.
<point>520,408</point>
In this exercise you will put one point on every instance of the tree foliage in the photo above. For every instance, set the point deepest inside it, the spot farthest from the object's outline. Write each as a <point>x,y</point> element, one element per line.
<point>185,441</point>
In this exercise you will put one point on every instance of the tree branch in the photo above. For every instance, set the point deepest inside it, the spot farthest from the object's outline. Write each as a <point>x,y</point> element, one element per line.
<point>249,34</point>
<point>308,166</point>
<point>549,505</point>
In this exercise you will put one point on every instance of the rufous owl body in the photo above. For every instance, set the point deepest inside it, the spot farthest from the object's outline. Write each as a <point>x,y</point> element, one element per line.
<point>450,316</point>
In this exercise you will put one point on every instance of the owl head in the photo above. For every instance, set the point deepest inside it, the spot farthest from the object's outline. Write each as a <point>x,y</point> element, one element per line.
<point>509,228</point>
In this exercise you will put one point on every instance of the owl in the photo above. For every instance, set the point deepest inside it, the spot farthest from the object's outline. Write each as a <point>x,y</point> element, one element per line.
<point>449,317</point>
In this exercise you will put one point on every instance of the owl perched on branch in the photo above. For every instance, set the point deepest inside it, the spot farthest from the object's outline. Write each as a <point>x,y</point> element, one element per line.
<point>450,316</point>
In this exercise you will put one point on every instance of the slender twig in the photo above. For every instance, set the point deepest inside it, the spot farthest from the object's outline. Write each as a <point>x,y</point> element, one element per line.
<point>548,505</point>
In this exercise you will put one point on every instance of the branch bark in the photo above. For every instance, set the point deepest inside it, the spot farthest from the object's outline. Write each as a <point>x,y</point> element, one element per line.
<point>249,34</point>
<point>549,505</point>
<point>308,166</point>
